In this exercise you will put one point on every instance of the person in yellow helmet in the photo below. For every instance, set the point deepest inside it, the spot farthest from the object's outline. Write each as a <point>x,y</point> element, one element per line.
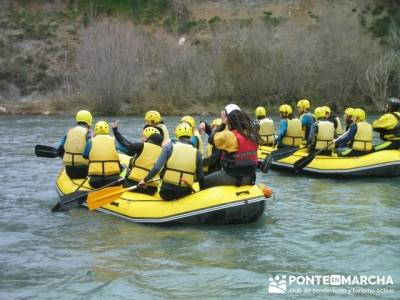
<point>104,166</point>
<point>196,138</point>
<point>290,132</point>
<point>357,140</point>
<point>144,155</point>
<point>237,137</point>
<point>306,117</point>
<point>322,133</point>
<point>211,159</point>
<point>332,117</point>
<point>179,165</point>
<point>388,126</point>
<point>153,118</point>
<point>348,117</point>
<point>266,126</point>
<point>73,144</point>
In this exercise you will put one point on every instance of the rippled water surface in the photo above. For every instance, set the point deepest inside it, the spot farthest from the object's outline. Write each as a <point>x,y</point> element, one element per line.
<point>313,227</point>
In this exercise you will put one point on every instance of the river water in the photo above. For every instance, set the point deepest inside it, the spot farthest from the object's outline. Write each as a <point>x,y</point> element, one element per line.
<point>313,227</point>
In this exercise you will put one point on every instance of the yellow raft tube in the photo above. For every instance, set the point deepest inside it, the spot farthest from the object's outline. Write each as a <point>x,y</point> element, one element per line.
<point>376,164</point>
<point>216,205</point>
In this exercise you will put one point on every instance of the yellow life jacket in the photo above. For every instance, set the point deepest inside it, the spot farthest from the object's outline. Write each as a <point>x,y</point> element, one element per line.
<point>267,130</point>
<point>391,130</point>
<point>103,157</point>
<point>363,137</point>
<point>325,135</point>
<point>74,145</point>
<point>209,149</point>
<point>294,133</point>
<point>181,165</point>
<point>142,164</point>
<point>165,132</point>
<point>339,129</point>
<point>209,153</point>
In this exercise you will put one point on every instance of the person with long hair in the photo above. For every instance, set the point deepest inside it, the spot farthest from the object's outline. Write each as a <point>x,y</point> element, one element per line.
<point>238,138</point>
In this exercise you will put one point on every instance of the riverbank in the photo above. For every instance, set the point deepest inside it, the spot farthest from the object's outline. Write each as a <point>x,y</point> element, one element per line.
<point>69,107</point>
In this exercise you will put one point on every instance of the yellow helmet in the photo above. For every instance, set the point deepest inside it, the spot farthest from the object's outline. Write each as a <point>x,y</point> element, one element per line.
<point>84,116</point>
<point>319,112</point>
<point>326,109</point>
<point>216,122</point>
<point>149,131</point>
<point>183,130</point>
<point>152,117</point>
<point>189,120</point>
<point>260,112</point>
<point>285,109</point>
<point>303,104</point>
<point>349,112</point>
<point>102,128</point>
<point>359,114</point>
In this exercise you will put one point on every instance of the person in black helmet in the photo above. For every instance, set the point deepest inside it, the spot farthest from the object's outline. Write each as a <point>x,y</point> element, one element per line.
<point>388,126</point>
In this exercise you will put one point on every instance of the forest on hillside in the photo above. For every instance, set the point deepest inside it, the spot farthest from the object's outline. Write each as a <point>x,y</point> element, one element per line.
<point>186,55</point>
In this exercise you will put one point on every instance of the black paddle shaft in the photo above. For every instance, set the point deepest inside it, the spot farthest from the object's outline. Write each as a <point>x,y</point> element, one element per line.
<point>277,155</point>
<point>77,198</point>
<point>45,151</point>
<point>304,161</point>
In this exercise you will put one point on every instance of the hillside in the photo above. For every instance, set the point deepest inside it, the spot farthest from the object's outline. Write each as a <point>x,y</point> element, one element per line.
<point>129,56</point>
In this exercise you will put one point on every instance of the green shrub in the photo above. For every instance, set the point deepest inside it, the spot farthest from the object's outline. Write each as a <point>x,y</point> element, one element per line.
<point>141,11</point>
<point>381,27</point>
<point>312,15</point>
<point>269,19</point>
<point>214,20</point>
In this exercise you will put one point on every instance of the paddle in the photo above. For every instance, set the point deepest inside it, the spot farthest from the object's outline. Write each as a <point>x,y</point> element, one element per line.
<point>304,161</point>
<point>277,155</point>
<point>102,197</point>
<point>45,151</point>
<point>76,198</point>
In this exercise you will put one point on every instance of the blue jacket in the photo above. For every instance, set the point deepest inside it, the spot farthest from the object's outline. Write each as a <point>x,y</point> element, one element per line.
<point>282,130</point>
<point>345,139</point>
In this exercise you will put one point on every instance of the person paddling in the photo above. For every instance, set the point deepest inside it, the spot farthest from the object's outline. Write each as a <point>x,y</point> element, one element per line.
<point>73,144</point>
<point>322,133</point>
<point>104,166</point>
<point>290,130</point>
<point>180,165</point>
<point>358,139</point>
<point>145,153</point>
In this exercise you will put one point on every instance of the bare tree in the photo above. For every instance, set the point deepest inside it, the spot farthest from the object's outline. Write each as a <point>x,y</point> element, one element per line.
<point>109,64</point>
<point>379,77</point>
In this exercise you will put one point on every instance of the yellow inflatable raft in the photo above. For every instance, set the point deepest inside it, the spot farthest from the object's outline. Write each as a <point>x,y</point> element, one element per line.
<point>216,205</point>
<point>380,164</point>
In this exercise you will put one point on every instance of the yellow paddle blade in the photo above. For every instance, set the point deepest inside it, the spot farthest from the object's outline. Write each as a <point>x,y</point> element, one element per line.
<point>105,196</point>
